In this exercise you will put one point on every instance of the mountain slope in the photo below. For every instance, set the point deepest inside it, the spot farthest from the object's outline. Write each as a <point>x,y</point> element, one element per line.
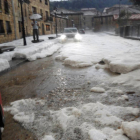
<point>78,4</point>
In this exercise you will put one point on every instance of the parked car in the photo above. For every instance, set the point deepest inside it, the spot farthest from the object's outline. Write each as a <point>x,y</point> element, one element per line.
<point>82,31</point>
<point>70,33</point>
<point>1,118</point>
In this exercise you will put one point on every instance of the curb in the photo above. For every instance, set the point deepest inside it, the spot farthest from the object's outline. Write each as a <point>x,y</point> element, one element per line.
<point>111,34</point>
<point>132,38</point>
<point>13,67</point>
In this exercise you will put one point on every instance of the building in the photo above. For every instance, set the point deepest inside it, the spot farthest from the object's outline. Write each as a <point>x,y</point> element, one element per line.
<point>74,19</point>
<point>88,17</point>
<point>10,18</point>
<point>61,22</point>
<point>6,21</point>
<point>35,7</point>
<point>107,20</point>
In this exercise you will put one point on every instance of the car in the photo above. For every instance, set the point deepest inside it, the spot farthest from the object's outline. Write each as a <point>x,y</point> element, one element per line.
<point>1,118</point>
<point>82,31</point>
<point>70,33</point>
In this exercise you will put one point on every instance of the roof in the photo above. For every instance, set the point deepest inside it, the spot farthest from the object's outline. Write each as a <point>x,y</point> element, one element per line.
<point>61,11</point>
<point>89,13</point>
<point>135,17</point>
<point>132,17</point>
<point>113,11</point>
<point>88,9</point>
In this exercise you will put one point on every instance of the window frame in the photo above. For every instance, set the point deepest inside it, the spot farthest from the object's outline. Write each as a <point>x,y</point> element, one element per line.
<point>6,7</point>
<point>19,27</point>
<point>48,27</point>
<point>47,15</point>
<point>2,31</point>
<point>8,28</point>
<point>0,6</point>
<point>46,2</point>
<point>34,8</point>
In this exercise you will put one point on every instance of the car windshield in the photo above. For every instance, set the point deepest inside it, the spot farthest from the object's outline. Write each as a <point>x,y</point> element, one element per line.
<point>70,30</point>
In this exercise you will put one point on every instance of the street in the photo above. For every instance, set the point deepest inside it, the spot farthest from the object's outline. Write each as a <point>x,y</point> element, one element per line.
<point>78,91</point>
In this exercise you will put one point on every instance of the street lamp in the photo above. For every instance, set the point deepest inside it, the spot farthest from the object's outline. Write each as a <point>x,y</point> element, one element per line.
<point>23,29</point>
<point>55,10</point>
<point>119,11</point>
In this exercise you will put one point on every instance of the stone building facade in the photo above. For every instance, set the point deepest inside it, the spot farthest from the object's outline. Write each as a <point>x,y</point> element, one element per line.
<point>74,19</point>
<point>6,21</point>
<point>105,23</point>
<point>10,18</point>
<point>88,16</point>
<point>35,7</point>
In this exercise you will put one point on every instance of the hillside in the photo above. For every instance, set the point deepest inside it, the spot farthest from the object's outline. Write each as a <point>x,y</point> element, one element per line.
<point>78,4</point>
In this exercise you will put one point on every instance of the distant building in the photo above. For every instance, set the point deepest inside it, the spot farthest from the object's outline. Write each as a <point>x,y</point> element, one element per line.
<point>61,23</point>
<point>88,17</point>
<point>74,19</point>
<point>107,21</point>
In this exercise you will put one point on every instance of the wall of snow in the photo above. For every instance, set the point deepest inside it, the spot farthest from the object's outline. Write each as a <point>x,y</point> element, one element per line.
<point>4,64</point>
<point>94,121</point>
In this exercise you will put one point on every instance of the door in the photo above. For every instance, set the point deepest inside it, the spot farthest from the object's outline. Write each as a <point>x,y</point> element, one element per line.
<point>43,32</point>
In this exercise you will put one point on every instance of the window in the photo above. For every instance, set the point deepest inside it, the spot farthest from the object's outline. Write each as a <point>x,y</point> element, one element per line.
<point>47,27</point>
<point>46,2</point>
<point>19,26</point>
<point>1,27</point>
<point>34,10</point>
<point>25,13</point>
<point>47,15</point>
<point>8,27</point>
<point>41,13</point>
<point>0,6</point>
<point>6,7</point>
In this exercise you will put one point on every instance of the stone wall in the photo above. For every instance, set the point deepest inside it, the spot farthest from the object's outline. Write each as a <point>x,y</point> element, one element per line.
<point>6,16</point>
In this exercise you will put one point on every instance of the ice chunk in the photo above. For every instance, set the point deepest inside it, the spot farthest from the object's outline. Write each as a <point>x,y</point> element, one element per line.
<point>123,97</point>
<point>106,118</point>
<point>131,129</point>
<point>95,134</point>
<point>120,137</point>
<point>97,89</point>
<point>48,137</point>
<point>4,64</point>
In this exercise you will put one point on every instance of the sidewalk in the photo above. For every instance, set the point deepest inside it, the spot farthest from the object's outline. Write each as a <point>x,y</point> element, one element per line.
<point>134,38</point>
<point>110,33</point>
<point>31,52</point>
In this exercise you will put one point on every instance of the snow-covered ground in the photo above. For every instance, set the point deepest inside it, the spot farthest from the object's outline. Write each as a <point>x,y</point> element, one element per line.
<point>31,52</point>
<point>93,120</point>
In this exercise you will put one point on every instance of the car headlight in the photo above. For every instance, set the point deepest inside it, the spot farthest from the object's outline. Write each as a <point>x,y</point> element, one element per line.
<point>78,37</point>
<point>63,37</point>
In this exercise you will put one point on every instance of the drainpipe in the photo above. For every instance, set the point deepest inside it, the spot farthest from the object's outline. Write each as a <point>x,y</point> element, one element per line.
<point>14,19</point>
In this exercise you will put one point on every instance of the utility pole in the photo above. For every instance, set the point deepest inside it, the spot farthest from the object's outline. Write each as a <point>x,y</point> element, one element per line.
<point>119,11</point>
<point>23,29</point>
<point>55,9</point>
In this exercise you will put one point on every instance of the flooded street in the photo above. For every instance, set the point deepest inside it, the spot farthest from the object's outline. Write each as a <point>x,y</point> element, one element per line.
<point>58,86</point>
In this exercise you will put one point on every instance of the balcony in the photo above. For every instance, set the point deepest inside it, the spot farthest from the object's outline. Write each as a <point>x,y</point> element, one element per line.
<point>49,19</point>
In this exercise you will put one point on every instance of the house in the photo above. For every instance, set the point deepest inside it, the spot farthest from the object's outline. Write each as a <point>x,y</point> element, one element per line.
<point>7,32</point>
<point>107,20</point>
<point>88,17</point>
<point>74,19</point>
<point>11,22</point>
<point>61,22</point>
